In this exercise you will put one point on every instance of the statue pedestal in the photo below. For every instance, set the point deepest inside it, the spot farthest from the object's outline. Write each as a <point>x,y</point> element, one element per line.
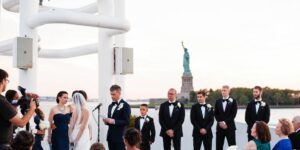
<point>186,87</point>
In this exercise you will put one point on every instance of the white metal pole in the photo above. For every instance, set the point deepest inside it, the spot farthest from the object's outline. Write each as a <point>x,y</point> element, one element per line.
<point>105,7</point>
<point>28,78</point>
<point>120,41</point>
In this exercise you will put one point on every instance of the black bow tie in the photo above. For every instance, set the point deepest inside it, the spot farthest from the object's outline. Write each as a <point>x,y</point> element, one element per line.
<point>142,117</point>
<point>257,102</point>
<point>172,104</point>
<point>202,105</point>
<point>225,100</point>
<point>114,103</point>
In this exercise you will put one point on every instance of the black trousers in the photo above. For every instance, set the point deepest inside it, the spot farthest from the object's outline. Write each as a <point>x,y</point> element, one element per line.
<point>230,136</point>
<point>207,142</point>
<point>145,146</point>
<point>116,146</point>
<point>176,142</point>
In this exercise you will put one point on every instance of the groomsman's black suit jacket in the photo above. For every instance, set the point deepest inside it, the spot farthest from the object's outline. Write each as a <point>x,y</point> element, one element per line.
<point>295,140</point>
<point>122,117</point>
<point>199,122</point>
<point>175,122</point>
<point>251,116</point>
<point>148,129</point>
<point>226,115</point>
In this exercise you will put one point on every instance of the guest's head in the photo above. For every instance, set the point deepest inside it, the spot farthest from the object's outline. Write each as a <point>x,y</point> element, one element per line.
<point>201,96</point>
<point>132,137</point>
<point>260,130</point>
<point>143,109</point>
<point>23,141</point>
<point>172,94</point>
<point>257,92</point>
<point>225,91</point>
<point>115,92</point>
<point>97,146</point>
<point>3,80</point>
<point>296,122</point>
<point>62,97</point>
<point>284,127</point>
<point>81,92</point>
<point>12,96</point>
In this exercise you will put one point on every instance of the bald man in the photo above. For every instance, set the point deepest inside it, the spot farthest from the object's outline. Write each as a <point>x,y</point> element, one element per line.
<point>171,118</point>
<point>295,136</point>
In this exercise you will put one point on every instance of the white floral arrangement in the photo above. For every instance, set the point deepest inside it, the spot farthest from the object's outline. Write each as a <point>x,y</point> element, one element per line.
<point>209,106</point>
<point>43,125</point>
<point>121,106</point>
<point>263,104</point>
<point>230,100</point>
<point>178,105</point>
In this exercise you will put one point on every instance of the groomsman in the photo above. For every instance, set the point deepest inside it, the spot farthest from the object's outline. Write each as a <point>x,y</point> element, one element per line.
<point>257,110</point>
<point>171,118</point>
<point>145,124</point>
<point>225,112</point>
<point>118,119</point>
<point>202,118</point>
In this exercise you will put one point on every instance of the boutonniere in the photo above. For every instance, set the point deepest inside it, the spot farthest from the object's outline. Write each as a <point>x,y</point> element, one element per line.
<point>263,104</point>
<point>147,119</point>
<point>230,100</point>
<point>178,105</point>
<point>120,106</point>
<point>43,125</point>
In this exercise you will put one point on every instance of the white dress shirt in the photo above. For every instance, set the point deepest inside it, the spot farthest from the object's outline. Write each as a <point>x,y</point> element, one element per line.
<point>203,110</point>
<point>142,121</point>
<point>171,108</point>
<point>225,103</point>
<point>257,105</point>
<point>114,107</point>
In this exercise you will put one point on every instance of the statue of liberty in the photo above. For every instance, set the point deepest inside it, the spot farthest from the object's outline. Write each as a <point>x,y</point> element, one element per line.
<point>186,60</point>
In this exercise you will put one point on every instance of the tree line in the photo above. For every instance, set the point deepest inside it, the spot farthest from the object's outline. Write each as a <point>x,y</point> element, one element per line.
<point>274,97</point>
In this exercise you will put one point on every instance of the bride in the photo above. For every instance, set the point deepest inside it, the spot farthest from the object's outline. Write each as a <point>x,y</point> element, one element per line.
<point>78,131</point>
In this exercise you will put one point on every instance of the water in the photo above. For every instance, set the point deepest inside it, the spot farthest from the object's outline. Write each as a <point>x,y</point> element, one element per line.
<point>187,140</point>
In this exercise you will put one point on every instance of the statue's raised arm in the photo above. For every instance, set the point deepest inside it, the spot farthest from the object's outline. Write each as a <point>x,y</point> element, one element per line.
<point>182,44</point>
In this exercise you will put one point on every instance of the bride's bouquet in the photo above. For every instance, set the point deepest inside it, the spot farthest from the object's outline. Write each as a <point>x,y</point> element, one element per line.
<point>43,125</point>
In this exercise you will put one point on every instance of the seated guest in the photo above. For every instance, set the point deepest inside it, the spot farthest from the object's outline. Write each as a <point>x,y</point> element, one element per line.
<point>295,136</point>
<point>132,139</point>
<point>262,137</point>
<point>23,141</point>
<point>97,146</point>
<point>283,129</point>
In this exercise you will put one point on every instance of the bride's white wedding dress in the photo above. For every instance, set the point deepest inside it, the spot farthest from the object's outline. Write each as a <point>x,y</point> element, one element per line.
<point>84,141</point>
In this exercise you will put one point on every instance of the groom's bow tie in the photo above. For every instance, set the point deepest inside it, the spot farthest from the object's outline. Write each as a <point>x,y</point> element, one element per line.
<point>114,103</point>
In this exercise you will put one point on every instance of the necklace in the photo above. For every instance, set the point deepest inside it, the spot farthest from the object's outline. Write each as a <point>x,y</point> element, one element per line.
<point>62,109</point>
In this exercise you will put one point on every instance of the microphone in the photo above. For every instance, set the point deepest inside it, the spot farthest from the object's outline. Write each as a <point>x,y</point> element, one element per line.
<point>97,107</point>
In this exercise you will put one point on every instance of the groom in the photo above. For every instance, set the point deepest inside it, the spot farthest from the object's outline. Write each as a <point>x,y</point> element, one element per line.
<point>118,119</point>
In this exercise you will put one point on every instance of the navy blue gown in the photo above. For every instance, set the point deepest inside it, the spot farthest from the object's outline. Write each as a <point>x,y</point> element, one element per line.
<point>38,138</point>
<point>60,137</point>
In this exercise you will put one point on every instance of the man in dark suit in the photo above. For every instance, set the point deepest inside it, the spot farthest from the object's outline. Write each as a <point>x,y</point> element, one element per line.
<point>257,110</point>
<point>118,119</point>
<point>171,118</point>
<point>145,124</point>
<point>225,112</point>
<point>295,136</point>
<point>202,118</point>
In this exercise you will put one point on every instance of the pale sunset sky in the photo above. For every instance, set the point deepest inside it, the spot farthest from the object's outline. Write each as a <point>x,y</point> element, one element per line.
<point>236,42</point>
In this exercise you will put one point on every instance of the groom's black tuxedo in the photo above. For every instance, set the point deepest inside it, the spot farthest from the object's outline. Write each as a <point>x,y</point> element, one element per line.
<point>115,132</point>
<point>147,131</point>
<point>263,114</point>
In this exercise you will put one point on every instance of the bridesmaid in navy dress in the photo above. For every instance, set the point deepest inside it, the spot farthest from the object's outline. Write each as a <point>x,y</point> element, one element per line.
<point>39,136</point>
<point>59,119</point>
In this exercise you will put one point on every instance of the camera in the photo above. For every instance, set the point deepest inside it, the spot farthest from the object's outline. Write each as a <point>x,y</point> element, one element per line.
<point>24,101</point>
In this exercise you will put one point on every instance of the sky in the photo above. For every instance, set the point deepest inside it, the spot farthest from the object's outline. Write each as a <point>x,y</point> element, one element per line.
<point>236,42</point>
